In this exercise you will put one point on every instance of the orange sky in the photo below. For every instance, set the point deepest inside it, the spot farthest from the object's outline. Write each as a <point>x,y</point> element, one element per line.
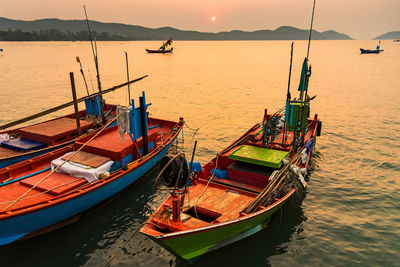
<point>361,19</point>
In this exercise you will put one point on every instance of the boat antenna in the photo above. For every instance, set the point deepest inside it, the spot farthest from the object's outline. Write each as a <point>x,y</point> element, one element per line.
<point>127,75</point>
<point>96,63</point>
<point>309,37</point>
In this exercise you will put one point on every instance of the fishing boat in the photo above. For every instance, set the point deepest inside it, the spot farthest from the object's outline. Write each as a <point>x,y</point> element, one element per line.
<point>372,51</point>
<point>30,141</point>
<point>235,194</point>
<point>54,189</point>
<point>159,51</point>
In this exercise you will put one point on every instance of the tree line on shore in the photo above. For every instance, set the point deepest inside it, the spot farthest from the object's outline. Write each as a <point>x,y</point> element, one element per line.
<point>57,35</point>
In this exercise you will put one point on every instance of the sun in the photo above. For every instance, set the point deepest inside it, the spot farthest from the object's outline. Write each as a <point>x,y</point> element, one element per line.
<point>213,18</point>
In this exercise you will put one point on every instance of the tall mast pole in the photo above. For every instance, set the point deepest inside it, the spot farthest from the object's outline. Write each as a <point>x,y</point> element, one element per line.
<point>309,37</point>
<point>288,97</point>
<point>127,75</point>
<point>96,63</point>
<point>306,98</point>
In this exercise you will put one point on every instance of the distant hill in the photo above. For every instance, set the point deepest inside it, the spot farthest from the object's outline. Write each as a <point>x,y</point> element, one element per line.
<point>389,35</point>
<point>133,32</point>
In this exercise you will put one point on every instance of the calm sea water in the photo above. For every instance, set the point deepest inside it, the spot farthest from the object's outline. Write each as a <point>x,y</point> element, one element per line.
<point>351,213</point>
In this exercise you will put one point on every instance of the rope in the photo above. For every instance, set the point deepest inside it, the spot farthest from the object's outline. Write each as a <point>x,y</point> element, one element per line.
<point>204,190</point>
<point>194,130</point>
<point>264,195</point>
<point>44,192</point>
<point>116,252</point>
<point>67,160</point>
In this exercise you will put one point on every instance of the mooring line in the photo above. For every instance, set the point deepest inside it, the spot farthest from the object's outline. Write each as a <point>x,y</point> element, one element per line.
<point>116,252</point>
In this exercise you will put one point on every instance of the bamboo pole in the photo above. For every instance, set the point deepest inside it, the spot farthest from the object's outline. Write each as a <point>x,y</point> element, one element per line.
<point>266,192</point>
<point>96,63</point>
<point>127,75</point>
<point>78,124</point>
<point>54,109</point>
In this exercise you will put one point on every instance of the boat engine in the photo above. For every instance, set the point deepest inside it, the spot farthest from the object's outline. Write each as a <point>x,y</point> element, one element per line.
<point>176,171</point>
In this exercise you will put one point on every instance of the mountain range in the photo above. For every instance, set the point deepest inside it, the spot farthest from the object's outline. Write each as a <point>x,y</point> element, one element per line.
<point>133,32</point>
<point>389,35</point>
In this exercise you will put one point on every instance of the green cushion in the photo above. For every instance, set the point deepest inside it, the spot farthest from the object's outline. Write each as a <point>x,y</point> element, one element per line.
<point>259,156</point>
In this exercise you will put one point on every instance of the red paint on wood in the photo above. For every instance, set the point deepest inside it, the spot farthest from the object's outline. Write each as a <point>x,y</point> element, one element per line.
<point>51,132</point>
<point>57,183</point>
<point>87,159</point>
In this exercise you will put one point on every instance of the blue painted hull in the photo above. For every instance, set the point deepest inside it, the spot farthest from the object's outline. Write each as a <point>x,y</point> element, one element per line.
<point>18,227</point>
<point>368,51</point>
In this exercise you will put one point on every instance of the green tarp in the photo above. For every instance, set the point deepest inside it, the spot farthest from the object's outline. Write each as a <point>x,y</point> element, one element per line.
<point>259,156</point>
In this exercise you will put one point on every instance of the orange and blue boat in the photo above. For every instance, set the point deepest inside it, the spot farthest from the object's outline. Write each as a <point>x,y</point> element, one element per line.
<point>54,189</point>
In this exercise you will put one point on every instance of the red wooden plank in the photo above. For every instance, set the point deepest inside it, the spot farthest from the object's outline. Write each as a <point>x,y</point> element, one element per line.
<point>56,183</point>
<point>51,131</point>
<point>87,159</point>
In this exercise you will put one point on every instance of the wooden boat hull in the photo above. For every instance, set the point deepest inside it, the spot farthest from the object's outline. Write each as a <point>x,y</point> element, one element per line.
<point>19,224</point>
<point>9,160</point>
<point>188,239</point>
<point>191,244</point>
<point>159,51</point>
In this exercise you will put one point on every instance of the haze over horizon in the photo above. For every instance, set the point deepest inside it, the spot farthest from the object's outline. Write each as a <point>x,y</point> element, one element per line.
<point>359,19</point>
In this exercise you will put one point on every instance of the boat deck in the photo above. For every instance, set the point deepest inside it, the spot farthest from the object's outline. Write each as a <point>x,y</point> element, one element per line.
<point>6,152</point>
<point>54,131</point>
<point>55,184</point>
<point>218,204</point>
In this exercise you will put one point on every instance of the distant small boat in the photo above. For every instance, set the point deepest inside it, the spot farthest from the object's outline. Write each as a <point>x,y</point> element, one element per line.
<point>372,51</point>
<point>159,51</point>
<point>369,51</point>
<point>397,40</point>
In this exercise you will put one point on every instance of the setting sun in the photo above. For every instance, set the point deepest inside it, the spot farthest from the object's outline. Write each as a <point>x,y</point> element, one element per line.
<point>213,18</point>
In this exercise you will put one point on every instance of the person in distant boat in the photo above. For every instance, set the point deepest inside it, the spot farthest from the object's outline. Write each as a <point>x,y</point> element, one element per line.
<point>167,43</point>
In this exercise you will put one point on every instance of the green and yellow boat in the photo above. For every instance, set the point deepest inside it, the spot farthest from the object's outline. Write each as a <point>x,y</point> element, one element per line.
<point>237,192</point>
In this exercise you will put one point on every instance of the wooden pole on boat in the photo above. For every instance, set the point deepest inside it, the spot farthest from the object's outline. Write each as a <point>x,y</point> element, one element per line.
<point>96,63</point>
<point>288,93</point>
<point>144,125</point>
<point>127,75</point>
<point>54,109</point>
<point>306,98</point>
<point>83,75</point>
<point>190,171</point>
<point>78,124</point>
<point>309,37</point>
<point>290,72</point>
